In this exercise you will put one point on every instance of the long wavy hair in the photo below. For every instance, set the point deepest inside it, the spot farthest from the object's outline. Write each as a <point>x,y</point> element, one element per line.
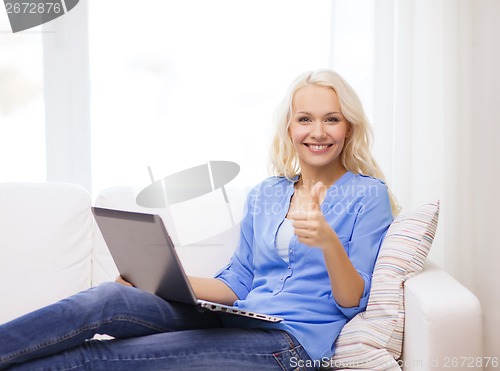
<point>355,156</point>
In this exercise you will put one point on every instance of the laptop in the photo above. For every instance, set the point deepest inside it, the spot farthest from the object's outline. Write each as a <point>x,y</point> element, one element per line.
<point>145,256</point>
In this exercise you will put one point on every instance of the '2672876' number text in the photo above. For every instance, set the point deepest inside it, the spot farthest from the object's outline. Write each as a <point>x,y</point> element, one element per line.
<point>470,362</point>
<point>33,8</point>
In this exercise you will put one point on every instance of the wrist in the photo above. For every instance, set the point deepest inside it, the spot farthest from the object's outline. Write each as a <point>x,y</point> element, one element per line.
<point>331,244</point>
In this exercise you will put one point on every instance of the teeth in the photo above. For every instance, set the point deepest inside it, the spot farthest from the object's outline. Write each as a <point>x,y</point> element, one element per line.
<point>318,147</point>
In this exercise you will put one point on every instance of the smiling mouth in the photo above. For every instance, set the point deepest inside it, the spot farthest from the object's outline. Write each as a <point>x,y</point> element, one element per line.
<point>317,147</point>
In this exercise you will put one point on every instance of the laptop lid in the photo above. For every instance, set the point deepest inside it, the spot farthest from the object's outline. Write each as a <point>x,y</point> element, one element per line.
<point>144,253</point>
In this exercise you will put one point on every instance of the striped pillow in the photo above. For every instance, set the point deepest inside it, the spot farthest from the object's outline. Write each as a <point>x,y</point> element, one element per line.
<point>374,338</point>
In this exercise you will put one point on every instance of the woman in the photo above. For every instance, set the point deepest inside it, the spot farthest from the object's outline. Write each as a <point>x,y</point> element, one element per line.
<point>308,244</point>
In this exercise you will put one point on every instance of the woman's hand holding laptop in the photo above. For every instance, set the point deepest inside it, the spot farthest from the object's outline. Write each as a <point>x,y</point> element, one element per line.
<point>120,280</point>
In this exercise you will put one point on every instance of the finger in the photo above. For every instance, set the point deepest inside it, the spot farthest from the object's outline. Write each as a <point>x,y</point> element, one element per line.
<point>306,228</point>
<point>309,224</point>
<point>121,281</point>
<point>298,215</point>
<point>306,240</point>
<point>315,195</point>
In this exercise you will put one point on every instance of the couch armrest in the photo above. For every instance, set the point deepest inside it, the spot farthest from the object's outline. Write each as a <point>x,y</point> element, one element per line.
<point>45,245</point>
<point>443,325</point>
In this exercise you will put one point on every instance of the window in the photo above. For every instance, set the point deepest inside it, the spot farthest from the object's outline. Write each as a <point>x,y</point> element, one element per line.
<point>175,84</point>
<point>22,112</point>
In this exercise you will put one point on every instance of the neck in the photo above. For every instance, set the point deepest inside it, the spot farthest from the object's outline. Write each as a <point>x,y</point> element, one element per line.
<point>309,177</point>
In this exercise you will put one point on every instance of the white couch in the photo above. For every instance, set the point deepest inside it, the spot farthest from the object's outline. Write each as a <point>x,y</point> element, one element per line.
<point>50,248</point>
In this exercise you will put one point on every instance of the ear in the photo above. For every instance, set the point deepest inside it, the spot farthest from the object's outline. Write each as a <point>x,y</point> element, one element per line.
<point>348,134</point>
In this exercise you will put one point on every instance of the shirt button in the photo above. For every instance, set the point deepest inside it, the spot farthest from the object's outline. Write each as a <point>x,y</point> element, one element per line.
<point>281,279</point>
<point>289,267</point>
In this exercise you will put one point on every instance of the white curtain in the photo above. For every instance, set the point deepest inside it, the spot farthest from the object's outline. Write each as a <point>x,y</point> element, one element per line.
<point>436,112</point>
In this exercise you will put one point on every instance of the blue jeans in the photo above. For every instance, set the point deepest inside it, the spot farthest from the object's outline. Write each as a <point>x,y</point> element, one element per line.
<point>149,334</point>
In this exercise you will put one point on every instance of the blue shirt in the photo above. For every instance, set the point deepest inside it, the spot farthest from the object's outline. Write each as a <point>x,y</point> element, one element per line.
<point>358,209</point>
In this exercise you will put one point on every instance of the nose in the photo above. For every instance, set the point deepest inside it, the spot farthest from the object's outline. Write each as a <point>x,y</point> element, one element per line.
<point>318,130</point>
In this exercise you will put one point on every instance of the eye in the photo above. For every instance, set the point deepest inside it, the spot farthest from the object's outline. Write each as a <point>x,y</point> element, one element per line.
<point>332,120</point>
<point>304,119</point>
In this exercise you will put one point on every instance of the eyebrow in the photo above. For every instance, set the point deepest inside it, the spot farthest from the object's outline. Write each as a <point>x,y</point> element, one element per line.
<point>308,113</point>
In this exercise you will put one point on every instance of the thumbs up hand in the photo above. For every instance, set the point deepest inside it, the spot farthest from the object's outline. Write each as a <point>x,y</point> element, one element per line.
<point>309,223</point>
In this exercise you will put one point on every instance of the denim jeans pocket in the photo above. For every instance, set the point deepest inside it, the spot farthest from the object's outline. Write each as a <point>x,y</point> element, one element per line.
<point>294,359</point>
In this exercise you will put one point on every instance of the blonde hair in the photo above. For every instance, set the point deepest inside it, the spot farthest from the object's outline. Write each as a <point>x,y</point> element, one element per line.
<point>356,154</point>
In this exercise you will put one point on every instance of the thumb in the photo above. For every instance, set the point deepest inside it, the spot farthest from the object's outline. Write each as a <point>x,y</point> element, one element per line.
<point>315,194</point>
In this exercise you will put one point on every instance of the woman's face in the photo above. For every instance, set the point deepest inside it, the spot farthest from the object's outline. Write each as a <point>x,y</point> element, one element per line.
<point>318,129</point>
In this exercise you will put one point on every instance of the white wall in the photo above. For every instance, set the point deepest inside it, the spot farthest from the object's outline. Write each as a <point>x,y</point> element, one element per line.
<point>482,273</point>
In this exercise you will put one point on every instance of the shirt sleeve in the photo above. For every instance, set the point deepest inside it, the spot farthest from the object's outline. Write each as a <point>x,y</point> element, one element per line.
<point>239,273</point>
<point>373,218</point>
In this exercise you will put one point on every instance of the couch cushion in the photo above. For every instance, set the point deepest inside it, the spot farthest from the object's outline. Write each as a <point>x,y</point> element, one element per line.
<point>373,339</point>
<point>45,244</point>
